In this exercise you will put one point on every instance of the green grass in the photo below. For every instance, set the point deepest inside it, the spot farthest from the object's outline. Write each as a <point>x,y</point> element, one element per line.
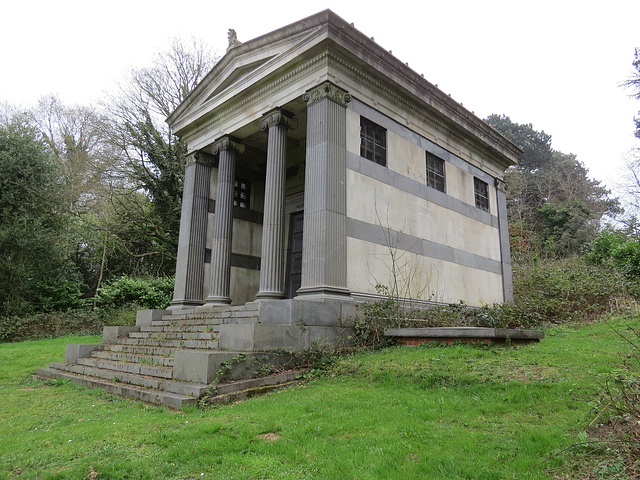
<point>459,412</point>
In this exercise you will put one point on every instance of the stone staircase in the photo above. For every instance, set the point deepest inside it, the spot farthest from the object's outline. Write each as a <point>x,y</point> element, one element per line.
<point>171,360</point>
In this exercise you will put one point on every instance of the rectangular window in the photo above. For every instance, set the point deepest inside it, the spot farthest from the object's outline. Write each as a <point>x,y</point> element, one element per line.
<point>241,193</point>
<point>435,172</point>
<point>373,142</point>
<point>482,194</point>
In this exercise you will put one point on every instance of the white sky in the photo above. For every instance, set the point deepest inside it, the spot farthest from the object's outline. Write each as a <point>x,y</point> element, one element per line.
<point>554,63</point>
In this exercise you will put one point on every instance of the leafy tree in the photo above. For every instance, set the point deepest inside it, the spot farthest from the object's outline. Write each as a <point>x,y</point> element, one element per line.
<point>552,203</point>
<point>34,246</point>
<point>535,145</point>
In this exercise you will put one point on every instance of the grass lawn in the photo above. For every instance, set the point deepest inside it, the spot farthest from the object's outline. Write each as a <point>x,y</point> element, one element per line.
<point>458,412</point>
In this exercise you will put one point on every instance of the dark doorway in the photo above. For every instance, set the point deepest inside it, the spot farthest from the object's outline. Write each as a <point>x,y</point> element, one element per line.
<point>295,254</point>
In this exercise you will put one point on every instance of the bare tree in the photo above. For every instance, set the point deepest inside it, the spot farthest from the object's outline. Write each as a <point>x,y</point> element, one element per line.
<point>76,137</point>
<point>151,157</point>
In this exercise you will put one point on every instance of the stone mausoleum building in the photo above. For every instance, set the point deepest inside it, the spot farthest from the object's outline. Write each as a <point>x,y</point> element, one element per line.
<point>315,154</point>
<point>320,166</point>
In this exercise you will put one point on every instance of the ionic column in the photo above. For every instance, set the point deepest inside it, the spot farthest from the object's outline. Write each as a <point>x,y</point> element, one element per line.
<point>324,243</point>
<point>226,148</point>
<point>189,285</point>
<point>272,284</point>
<point>505,249</point>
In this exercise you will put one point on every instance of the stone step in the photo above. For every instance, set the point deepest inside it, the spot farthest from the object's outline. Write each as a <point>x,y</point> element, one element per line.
<point>150,342</point>
<point>170,393</point>
<point>175,335</point>
<point>251,383</point>
<point>223,311</point>
<point>181,328</point>
<point>127,367</point>
<point>142,358</point>
<point>206,321</point>
<point>154,396</point>
<point>239,395</point>
<point>142,350</point>
<point>110,375</point>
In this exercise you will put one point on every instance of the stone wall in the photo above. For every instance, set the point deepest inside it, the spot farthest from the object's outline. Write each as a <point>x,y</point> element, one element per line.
<point>446,248</point>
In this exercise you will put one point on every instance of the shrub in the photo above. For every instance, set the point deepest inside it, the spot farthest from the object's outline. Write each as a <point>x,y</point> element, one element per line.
<point>376,317</point>
<point>619,407</point>
<point>64,295</point>
<point>56,324</point>
<point>569,290</point>
<point>546,292</point>
<point>145,292</point>
<point>614,248</point>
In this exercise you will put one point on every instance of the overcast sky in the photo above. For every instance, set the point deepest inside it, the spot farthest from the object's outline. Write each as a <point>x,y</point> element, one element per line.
<point>554,63</point>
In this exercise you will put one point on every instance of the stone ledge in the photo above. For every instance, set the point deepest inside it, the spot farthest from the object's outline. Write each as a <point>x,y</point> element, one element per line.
<point>418,336</point>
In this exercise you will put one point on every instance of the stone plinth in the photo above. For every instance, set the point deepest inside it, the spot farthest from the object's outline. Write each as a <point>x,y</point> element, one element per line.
<point>418,336</point>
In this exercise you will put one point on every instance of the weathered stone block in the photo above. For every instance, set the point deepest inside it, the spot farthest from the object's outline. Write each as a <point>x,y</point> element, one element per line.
<point>273,337</point>
<point>109,334</point>
<point>236,337</point>
<point>329,336</point>
<point>74,351</point>
<point>275,311</point>
<point>197,366</point>
<point>145,317</point>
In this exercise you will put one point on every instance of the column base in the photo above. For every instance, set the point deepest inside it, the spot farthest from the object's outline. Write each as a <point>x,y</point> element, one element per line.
<point>324,292</point>
<point>213,301</point>
<point>270,295</point>
<point>183,306</point>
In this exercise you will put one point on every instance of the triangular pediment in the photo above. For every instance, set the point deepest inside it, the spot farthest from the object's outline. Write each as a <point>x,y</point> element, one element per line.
<point>237,75</point>
<point>242,67</point>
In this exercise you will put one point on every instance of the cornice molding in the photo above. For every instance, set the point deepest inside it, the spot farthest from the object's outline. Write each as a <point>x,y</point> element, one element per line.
<point>420,113</point>
<point>432,117</point>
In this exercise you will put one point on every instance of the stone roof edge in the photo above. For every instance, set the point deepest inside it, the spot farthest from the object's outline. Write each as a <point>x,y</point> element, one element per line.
<point>460,114</point>
<point>295,28</point>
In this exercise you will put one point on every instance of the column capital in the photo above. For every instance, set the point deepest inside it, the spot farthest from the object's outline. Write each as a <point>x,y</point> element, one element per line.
<point>227,143</point>
<point>327,90</point>
<point>500,185</point>
<point>198,157</point>
<point>278,116</point>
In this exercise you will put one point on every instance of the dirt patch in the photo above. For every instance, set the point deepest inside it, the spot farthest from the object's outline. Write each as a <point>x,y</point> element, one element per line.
<point>269,437</point>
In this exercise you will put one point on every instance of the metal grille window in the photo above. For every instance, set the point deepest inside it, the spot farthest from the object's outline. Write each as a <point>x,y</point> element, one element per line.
<point>241,193</point>
<point>482,194</point>
<point>435,172</point>
<point>373,142</point>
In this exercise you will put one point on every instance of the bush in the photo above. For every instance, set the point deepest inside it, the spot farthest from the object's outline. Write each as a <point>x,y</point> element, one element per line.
<point>546,292</point>
<point>376,317</point>
<point>499,315</point>
<point>614,248</point>
<point>154,293</point>
<point>618,408</point>
<point>56,324</point>
<point>569,290</point>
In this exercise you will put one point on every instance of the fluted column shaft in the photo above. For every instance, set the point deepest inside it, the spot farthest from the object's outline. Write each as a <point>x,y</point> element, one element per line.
<point>505,249</point>
<point>324,250</point>
<point>189,284</point>
<point>226,148</point>
<point>272,281</point>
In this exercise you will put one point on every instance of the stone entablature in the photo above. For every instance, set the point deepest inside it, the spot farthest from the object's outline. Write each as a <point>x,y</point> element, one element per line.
<point>318,46</point>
